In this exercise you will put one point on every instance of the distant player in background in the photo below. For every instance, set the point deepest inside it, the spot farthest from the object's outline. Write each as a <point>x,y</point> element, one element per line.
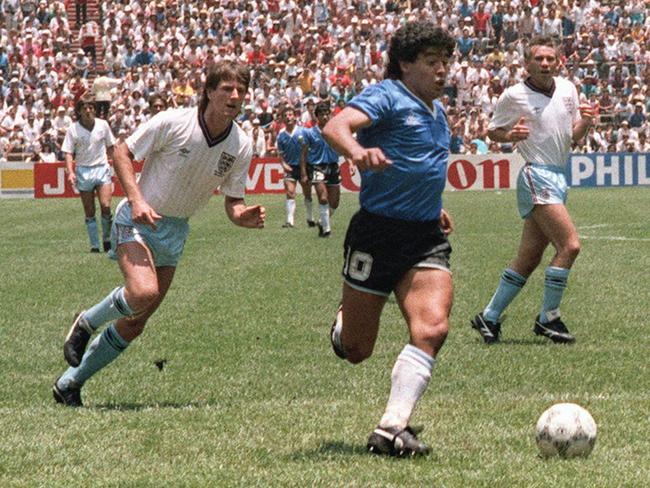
<point>157,103</point>
<point>289,142</point>
<point>188,153</point>
<point>319,166</point>
<point>543,116</point>
<point>88,144</point>
<point>397,242</point>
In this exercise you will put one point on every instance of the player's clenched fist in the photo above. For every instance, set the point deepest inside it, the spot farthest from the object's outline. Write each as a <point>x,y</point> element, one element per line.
<point>372,158</point>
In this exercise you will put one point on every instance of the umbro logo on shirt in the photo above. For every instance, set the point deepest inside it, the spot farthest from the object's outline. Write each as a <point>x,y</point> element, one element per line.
<point>184,152</point>
<point>411,120</point>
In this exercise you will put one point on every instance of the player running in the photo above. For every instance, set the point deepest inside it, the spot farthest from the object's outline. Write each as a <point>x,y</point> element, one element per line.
<point>319,165</point>
<point>289,142</point>
<point>187,153</point>
<point>397,242</point>
<point>542,115</point>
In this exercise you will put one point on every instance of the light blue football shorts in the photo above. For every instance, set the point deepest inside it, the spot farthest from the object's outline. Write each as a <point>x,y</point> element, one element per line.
<point>166,242</point>
<point>89,177</point>
<point>540,185</point>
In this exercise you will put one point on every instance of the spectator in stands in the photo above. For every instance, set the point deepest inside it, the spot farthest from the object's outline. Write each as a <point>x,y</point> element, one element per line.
<point>622,111</point>
<point>88,35</point>
<point>61,122</point>
<point>81,12</point>
<point>103,86</point>
<point>465,43</point>
<point>81,64</point>
<point>638,118</point>
<point>481,24</point>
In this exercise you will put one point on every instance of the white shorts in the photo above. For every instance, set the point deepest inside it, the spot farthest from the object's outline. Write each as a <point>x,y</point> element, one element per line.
<point>540,185</point>
<point>90,177</point>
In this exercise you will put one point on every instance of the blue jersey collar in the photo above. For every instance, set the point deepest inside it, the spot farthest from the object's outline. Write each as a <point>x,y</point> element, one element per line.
<point>433,112</point>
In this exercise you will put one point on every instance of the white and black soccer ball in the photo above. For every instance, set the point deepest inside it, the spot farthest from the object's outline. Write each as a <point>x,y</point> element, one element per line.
<point>566,430</point>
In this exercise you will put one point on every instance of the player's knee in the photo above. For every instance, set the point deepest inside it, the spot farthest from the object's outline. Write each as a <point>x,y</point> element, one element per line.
<point>106,210</point>
<point>142,295</point>
<point>434,333</point>
<point>357,353</point>
<point>572,249</point>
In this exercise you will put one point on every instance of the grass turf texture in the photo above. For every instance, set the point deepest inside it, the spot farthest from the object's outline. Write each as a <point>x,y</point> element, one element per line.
<point>251,394</point>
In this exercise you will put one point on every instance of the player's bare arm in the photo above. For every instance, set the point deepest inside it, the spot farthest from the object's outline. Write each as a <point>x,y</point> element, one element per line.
<point>252,217</point>
<point>141,212</point>
<point>303,164</point>
<point>69,169</point>
<point>339,133</point>
<point>581,127</point>
<point>518,132</point>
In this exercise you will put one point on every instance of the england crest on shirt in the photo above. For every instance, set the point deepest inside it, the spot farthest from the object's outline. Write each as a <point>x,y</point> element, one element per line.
<point>225,163</point>
<point>569,104</point>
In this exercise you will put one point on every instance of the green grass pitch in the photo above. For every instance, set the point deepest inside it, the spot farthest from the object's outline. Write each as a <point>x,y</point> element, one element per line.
<point>251,394</point>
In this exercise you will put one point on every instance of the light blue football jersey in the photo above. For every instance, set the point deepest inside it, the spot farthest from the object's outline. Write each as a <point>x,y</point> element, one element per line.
<point>320,152</point>
<point>290,145</point>
<point>416,140</point>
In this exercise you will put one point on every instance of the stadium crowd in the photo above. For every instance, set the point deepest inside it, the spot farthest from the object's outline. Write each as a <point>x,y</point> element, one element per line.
<point>139,57</point>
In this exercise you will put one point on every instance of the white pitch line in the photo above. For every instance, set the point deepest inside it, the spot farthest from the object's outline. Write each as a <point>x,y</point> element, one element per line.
<point>616,238</point>
<point>593,226</point>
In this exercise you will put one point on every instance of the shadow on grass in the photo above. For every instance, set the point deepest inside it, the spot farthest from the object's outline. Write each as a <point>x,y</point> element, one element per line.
<point>328,450</point>
<point>516,342</point>
<point>134,407</point>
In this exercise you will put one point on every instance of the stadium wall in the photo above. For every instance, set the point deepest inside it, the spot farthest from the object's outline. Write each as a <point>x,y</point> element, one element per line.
<point>466,172</point>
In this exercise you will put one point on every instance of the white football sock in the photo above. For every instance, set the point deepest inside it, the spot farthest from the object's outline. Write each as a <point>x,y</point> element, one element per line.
<point>409,380</point>
<point>309,210</point>
<point>291,210</point>
<point>325,216</point>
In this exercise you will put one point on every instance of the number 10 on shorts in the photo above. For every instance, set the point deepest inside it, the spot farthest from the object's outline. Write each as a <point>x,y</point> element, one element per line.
<point>357,265</point>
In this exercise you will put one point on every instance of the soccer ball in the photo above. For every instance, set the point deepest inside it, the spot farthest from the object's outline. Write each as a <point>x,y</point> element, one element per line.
<point>566,430</point>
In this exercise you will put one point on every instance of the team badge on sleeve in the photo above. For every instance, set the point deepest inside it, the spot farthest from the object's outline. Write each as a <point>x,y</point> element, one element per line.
<point>225,163</point>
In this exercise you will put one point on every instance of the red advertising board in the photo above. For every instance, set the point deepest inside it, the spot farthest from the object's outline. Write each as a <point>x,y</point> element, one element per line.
<point>465,172</point>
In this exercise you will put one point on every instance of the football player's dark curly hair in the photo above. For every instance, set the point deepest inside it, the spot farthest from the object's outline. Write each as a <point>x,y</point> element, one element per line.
<point>412,39</point>
<point>321,108</point>
<point>85,99</point>
<point>223,71</point>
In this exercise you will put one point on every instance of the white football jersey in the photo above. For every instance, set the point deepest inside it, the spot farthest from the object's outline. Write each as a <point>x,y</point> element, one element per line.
<point>88,147</point>
<point>183,166</point>
<point>549,117</point>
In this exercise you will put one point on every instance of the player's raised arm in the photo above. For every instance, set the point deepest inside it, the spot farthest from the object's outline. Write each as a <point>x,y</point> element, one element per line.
<point>339,134</point>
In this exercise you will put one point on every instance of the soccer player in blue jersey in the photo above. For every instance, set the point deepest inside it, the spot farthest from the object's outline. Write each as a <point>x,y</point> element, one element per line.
<point>87,146</point>
<point>543,116</point>
<point>397,242</point>
<point>188,153</point>
<point>319,165</point>
<point>289,142</point>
